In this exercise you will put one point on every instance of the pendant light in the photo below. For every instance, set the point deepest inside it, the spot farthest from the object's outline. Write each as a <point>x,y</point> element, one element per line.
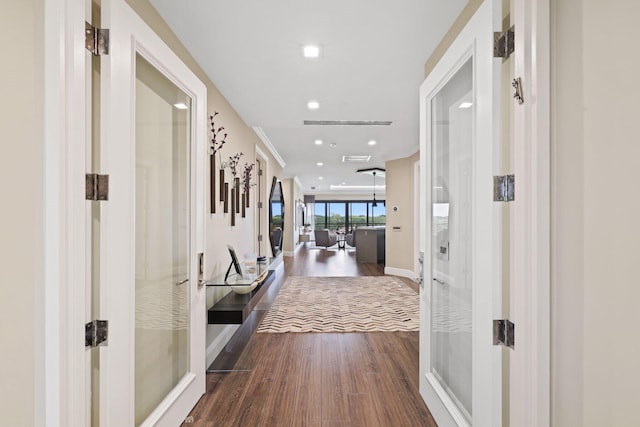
<point>374,204</point>
<point>375,172</point>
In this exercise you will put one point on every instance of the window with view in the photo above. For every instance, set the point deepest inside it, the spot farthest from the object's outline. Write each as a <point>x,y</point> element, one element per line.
<point>348,215</point>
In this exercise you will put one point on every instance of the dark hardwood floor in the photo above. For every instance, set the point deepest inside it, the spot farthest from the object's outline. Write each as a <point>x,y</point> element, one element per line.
<point>314,379</point>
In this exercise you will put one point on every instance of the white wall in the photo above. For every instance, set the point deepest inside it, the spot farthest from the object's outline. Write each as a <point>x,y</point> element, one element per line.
<point>595,213</point>
<point>21,218</point>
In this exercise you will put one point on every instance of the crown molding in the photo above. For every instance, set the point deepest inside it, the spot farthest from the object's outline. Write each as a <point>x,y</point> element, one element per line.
<point>265,140</point>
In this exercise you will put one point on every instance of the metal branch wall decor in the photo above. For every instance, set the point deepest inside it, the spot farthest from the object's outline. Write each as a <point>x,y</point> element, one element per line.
<point>246,185</point>
<point>217,141</point>
<point>232,164</point>
<point>229,192</point>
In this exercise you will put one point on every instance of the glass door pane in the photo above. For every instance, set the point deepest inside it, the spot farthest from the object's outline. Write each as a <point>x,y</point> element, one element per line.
<point>337,216</point>
<point>162,215</point>
<point>357,215</point>
<point>452,286</point>
<point>320,219</point>
<point>378,213</point>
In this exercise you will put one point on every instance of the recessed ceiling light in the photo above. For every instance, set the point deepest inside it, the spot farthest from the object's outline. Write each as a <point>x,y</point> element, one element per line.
<point>318,142</point>
<point>313,105</point>
<point>372,142</point>
<point>333,145</point>
<point>321,178</point>
<point>181,106</point>
<point>311,51</point>
<point>466,105</point>
<point>320,164</point>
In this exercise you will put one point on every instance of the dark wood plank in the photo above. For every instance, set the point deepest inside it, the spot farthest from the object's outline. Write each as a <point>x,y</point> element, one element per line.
<point>354,379</point>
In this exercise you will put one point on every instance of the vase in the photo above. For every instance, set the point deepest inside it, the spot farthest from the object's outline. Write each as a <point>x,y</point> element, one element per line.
<point>212,183</point>
<point>236,187</point>
<point>244,208</point>
<point>225,199</point>
<point>233,210</point>
<point>223,194</point>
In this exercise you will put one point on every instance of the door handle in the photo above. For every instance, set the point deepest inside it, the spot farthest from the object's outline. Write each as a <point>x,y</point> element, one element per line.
<point>182,282</point>
<point>201,281</point>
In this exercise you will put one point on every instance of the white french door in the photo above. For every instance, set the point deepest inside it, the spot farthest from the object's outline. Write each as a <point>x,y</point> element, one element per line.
<point>153,146</point>
<point>460,369</point>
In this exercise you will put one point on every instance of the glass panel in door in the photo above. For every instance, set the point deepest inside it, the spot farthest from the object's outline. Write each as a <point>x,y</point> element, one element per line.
<point>162,205</point>
<point>452,286</point>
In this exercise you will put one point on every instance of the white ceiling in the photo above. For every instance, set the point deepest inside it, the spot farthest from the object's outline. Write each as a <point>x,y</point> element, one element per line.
<point>371,65</point>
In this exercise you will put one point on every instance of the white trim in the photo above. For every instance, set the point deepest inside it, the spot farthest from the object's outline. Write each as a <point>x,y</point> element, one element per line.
<point>60,389</point>
<point>261,153</point>
<point>416,218</point>
<point>296,180</point>
<point>167,404</point>
<point>218,344</point>
<point>530,374</point>
<point>265,140</point>
<point>400,272</point>
<point>449,409</point>
<point>261,222</point>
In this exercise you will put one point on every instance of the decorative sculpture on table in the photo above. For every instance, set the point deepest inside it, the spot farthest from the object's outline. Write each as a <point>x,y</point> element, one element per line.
<point>217,141</point>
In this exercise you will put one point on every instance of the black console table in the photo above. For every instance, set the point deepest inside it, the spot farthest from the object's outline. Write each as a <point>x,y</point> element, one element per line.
<point>234,308</point>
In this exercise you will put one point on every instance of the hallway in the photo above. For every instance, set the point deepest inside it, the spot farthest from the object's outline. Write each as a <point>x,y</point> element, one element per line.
<point>315,379</point>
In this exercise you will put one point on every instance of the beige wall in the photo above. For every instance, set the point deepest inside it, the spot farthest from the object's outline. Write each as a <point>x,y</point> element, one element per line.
<point>21,220</point>
<point>400,251</point>
<point>595,213</point>
<point>451,35</point>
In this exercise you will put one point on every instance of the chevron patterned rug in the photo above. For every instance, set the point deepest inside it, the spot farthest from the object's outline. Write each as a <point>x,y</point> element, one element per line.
<point>343,304</point>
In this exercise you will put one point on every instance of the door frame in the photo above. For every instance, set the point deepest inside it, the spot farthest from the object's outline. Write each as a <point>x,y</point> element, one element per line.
<point>60,388</point>
<point>60,356</point>
<point>416,220</point>
<point>261,217</point>
<point>530,277</point>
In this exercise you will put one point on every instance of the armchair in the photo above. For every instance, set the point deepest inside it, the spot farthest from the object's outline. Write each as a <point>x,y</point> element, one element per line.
<point>325,238</point>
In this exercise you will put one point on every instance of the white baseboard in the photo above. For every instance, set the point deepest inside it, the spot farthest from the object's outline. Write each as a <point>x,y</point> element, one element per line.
<point>292,253</point>
<point>400,272</point>
<point>217,345</point>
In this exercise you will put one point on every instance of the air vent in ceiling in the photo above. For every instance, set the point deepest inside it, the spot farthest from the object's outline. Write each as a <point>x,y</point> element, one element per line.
<point>356,159</point>
<point>347,123</point>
